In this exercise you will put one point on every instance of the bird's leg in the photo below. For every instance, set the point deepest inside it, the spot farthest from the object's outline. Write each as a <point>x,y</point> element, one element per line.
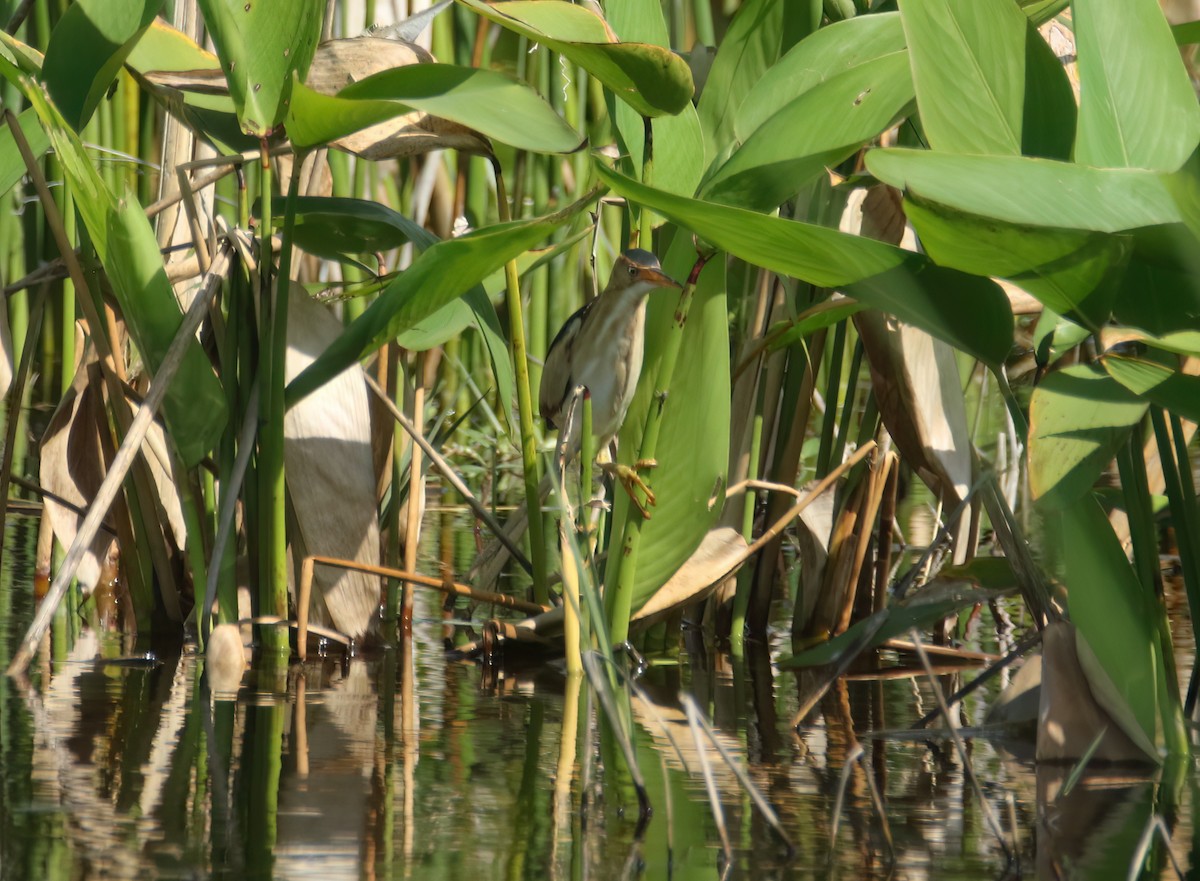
<point>629,478</point>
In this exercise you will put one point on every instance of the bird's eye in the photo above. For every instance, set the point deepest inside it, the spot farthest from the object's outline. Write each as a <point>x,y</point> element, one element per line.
<point>632,271</point>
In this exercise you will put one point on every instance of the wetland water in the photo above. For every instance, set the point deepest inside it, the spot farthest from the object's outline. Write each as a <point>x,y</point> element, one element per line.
<point>410,764</point>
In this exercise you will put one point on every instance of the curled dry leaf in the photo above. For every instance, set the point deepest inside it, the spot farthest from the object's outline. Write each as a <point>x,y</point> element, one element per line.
<point>72,468</point>
<point>331,482</point>
<point>915,377</point>
<point>721,552</point>
<point>338,63</point>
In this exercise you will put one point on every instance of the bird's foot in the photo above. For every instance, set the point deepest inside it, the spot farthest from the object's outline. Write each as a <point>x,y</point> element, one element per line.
<point>630,479</point>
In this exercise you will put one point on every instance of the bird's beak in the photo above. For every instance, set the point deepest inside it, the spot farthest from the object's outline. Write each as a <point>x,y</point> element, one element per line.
<point>657,277</point>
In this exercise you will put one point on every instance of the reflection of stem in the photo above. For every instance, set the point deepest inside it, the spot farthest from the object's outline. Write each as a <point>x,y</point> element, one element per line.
<point>301,729</point>
<point>567,746</point>
<point>409,733</point>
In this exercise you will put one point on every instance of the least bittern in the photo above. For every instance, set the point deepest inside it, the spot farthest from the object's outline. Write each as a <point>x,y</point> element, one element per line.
<point>600,348</point>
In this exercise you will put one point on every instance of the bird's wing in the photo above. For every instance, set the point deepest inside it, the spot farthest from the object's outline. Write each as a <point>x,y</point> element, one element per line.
<point>556,374</point>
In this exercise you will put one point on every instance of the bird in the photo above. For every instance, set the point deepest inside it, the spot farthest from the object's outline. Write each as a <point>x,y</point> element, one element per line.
<point>600,347</point>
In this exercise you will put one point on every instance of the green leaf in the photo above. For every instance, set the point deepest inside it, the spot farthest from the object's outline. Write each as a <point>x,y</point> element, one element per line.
<point>1036,192</point>
<point>1137,108</point>
<point>261,44</point>
<point>1048,125</point>
<point>969,313</point>
<point>12,166</point>
<point>489,102</point>
<point>332,227</point>
<point>1157,381</point>
<point>968,67</point>
<point>1078,419</point>
<point>1160,288</point>
<point>195,405</point>
<point>1070,271</point>
<point>1110,609</point>
<point>1041,11</point>
<point>441,273</point>
<point>761,31</point>
<point>87,48</point>
<point>678,141</point>
<point>819,129</point>
<point>693,444</point>
<point>651,79</point>
<point>828,53</point>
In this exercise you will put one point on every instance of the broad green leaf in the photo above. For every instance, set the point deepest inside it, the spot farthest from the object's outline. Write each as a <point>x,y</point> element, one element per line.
<point>1160,288</point>
<point>968,67</point>
<point>190,83</point>
<point>678,142</point>
<point>1157,381</point>
<point>87,48</point>
<point>489,102</point>
<point>761,31</point>
<point>970,313</point>
<point>1048,125</point>
<point>195,405</point>
<point>261,45</point>
<point>1070,271</point>
<point>826,124</point>
<point>12,166</point>
<point>1078,419</point>
<point>1110,608</point>
<point>829,52</point>
<point>335,227</point>
<point>693,445</point>
<point>1036,192</point>
<point>651,79</point>
<point>444,271</point>
<point>1137,108</point>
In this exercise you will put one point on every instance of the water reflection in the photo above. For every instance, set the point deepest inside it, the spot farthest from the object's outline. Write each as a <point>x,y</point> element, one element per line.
<point>408,764</point>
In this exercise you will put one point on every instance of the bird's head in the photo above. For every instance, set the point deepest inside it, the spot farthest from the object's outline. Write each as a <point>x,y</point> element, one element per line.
<point>640,271</point>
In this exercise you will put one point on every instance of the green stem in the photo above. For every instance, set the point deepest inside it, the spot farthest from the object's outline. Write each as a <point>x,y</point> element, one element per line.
<point>619,597</point>
<point>646,217</point>
<point>516,324</point>
<point>273,591</point>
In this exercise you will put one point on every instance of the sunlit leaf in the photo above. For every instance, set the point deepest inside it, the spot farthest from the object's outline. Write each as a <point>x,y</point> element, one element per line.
<point>970,313</point>
<point>819,129</point>
<point>87,48</point>
<point>1078,419</point>
<point>12,166</point>
<point>968,66</point>
<point>1137,107</point>
<point>1037,192</point>
<point>651,79</point>
<point>261,45</point>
